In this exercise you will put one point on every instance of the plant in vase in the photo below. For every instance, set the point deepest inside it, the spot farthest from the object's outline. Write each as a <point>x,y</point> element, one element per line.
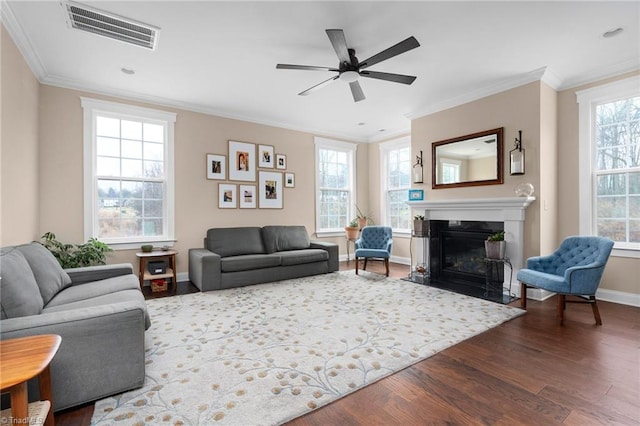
<point>420,226</point>
<point>363,219</point>
<point>352,230</point>
<point>495,246</point>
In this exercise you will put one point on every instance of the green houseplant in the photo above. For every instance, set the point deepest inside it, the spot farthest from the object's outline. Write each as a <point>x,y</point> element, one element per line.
<point>364,219</point>
<point>351,231</point>
<point>495,246</point>
<point>91,253</point>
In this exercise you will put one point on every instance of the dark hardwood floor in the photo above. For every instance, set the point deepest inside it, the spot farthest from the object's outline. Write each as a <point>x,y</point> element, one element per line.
<point>530,370</point>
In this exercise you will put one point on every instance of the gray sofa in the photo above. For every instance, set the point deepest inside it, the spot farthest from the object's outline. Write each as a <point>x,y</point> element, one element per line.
<point>234,257</point>
<point>99,312</point>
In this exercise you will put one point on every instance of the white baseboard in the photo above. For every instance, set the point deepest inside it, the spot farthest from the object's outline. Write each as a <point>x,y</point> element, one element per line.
<point>620,297</point>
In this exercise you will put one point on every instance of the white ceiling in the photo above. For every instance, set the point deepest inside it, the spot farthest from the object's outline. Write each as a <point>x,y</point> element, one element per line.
<point>220,57</point>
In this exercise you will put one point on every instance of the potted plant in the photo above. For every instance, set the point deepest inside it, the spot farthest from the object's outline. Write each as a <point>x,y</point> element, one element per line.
<point>91,253</point>
<point>352,230</point>
<point>363,219</point>
<point>495,246</point>
<point>420,226</point>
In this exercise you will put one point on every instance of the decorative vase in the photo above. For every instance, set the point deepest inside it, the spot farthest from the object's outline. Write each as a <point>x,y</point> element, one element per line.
<point>495,249</point>
<point>351,232</point>
<point>420,228</point>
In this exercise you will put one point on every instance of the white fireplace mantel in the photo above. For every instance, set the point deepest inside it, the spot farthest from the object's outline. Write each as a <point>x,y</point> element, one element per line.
<point>509,210</point>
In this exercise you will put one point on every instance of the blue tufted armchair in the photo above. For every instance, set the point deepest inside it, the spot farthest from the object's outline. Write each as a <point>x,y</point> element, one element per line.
<point>575,268</point>
<point>374,242</point>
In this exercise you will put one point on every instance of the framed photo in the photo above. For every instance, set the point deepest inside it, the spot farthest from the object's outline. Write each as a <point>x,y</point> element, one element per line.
<point>289,180</point>
<point>416,194</point>
<point>227,196</point>
<point>216,167</point>
<point>247,196</point>
<point>242,161</point>
<point>281,161</point>
<point>270,190</point>
<point>265,156</point>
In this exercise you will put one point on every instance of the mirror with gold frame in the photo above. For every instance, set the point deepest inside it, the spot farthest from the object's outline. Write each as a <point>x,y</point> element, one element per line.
<point>470,160</point>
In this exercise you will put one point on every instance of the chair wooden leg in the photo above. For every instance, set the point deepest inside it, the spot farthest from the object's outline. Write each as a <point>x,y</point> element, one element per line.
<point>561,305</point>
<point>364,268</point>
<point>356,266</point>
<point>386,265</point>
<point>523,296</point>
<point>596,312</point>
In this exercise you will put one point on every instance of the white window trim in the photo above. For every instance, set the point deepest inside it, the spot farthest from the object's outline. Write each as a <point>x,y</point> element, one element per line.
<point>587,101</point>
<point>93,107</point>
<point>351,148</point>
<point>385,147</point>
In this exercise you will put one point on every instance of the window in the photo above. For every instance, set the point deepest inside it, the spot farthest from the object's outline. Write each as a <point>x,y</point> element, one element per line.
<point>395,160</point>
<point>335,185</point>
<point>128,155</point>
<point>450,171</point>
<point>610,163</point>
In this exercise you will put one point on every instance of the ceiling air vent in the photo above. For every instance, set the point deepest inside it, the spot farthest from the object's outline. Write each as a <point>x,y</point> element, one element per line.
<point>110,25</point>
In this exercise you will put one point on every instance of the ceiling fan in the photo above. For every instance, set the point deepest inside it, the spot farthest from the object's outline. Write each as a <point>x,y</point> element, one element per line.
<point>350,69</point>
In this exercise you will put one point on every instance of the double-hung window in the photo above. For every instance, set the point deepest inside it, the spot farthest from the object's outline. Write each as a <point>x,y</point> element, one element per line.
<point>129,184</point>
<point>335,185</point>
<point>395,159</point>
<point>609,132</point>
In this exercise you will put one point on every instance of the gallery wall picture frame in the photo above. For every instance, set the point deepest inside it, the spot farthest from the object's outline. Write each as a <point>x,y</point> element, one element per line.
<point>416,194</point>
<point>281,161</point>
<point>216,167</point>
<point>242,161</point>
<point>265,156</point>
<point>289,180</point>
<point>247,196</point>
<point>227,196</point>
<point>270,194</point>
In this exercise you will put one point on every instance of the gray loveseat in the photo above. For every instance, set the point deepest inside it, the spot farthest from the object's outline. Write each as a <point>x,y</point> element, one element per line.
<point>99,312</point>
<point>234,257</point>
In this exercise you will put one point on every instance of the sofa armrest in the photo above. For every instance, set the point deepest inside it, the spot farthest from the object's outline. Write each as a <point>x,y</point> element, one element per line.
<point>204,269</point>
<point>96,273</point>
<point>101,353</point>
<point>333,250</point>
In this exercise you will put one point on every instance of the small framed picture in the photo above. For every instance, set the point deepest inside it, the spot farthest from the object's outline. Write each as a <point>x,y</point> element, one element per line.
<point>216,167</point>
<point>289,180</point>
<point>281,161</point>
<point>242,161</point>
<point>227,196</point>
<point>247,196</point>
<point>270,190</point>
<point>265,156</point>
<point>416,194</point>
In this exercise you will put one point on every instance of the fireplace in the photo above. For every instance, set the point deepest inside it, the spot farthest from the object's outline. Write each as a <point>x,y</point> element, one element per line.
<point>457,254</point>
<point>508,212</point>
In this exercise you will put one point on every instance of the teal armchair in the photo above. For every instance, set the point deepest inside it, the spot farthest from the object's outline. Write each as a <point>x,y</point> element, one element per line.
<point>574,269</point>
<point>375,242</point>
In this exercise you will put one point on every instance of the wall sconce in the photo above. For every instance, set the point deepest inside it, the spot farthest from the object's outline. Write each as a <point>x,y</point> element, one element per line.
<point>517,156</point>
<point>417,169</point>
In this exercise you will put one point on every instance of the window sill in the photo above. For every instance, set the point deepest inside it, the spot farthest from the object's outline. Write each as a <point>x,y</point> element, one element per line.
<point>625,252</point>
<point>135,245</point>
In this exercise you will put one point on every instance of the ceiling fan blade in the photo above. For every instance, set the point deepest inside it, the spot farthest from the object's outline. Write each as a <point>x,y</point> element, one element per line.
<point>396,78</point>
<point>356,91</point>
<point>304,67</point>
<point>318,86</point>
<point>339,44</point>
<point>395,50</point>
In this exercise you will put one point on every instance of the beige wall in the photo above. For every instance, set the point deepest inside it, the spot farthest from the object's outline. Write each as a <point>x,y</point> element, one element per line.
<point>621,273</point>
<point>196,209</point>
<point>19,171</point>
<point>515,109</point>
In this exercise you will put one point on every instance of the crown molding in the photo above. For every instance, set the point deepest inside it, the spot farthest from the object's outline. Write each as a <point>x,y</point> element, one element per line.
<point>21,40</point>
<point>630,65</point>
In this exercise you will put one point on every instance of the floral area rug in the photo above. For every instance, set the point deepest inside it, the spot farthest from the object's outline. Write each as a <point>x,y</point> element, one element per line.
<point>265,354</point>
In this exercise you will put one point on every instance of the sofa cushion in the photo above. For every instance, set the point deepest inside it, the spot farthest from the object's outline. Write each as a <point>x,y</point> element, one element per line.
<point>283,238</point>
<point>20,294</point>
<point>298,257</point>
<point>235,241</point>
<point>50,276</point>
<point>95,289</point>
<point>248,262</point>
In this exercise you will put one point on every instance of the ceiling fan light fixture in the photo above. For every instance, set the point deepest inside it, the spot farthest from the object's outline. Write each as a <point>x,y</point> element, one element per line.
<point>349,76</point>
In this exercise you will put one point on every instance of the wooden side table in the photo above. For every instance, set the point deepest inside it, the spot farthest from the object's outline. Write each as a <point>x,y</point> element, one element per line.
<point>22,359</point>
<point>145,275</point>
